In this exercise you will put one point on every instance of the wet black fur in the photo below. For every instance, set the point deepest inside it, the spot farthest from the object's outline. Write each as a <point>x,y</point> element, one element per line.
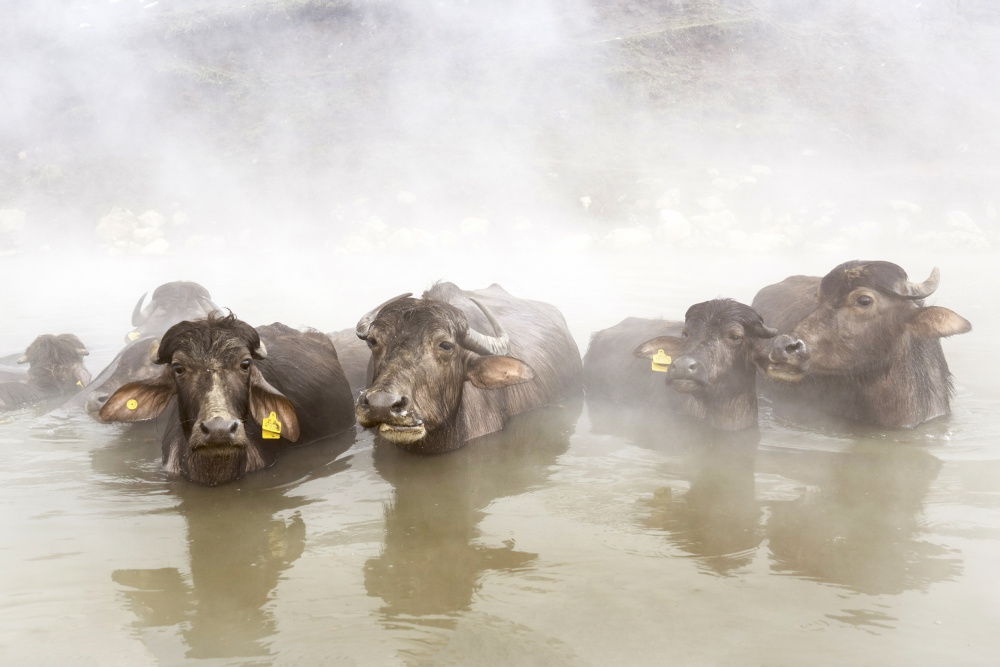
<point>902,382</point>
<point>612,373</point>
<point>54,369</point>
<point>539,337</point>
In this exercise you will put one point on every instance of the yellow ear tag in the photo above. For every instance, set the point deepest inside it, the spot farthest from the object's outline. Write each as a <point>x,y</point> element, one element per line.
<point>271,428</point>
<point>132,404</point>
<point>79,383</point>
<point>132,335</point>
<point>661,362</point>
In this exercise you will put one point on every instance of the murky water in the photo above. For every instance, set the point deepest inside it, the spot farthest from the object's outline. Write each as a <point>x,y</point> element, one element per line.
<point>581,535</point>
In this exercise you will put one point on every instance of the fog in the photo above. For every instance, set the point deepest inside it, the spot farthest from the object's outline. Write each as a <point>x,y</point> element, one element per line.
<point>305,160</point>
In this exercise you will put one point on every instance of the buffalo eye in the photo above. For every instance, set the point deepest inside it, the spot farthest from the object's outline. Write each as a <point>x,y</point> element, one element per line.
<point>245,364</point>
<point>446,346</point>
<point>864,301</point>
<point>177,369</point>
<point>372,343</point>
<point>736,338</point>
<point>684,334</point>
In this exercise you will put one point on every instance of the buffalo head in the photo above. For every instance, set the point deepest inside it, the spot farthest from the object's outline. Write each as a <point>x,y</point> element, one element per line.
<point>423,351</point>
<point>210,366</point>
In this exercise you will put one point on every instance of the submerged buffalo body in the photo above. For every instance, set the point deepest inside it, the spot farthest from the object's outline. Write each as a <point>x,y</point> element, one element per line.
<point>228,378</point>
<point>171,303</point>
<point>859,343</point>
<point>55,366</point>
<point>439,382</point>
<point>715,354</point>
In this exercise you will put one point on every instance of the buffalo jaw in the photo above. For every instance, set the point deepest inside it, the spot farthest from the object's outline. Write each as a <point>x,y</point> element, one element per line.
<point>787,360</point>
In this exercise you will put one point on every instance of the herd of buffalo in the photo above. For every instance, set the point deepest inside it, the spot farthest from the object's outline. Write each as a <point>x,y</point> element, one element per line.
<point>433,373</point>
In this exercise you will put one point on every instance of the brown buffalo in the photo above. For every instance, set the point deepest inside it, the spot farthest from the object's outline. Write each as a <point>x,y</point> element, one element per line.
<point>228,378</point>
<point>424,350</point>
<point>860,343</point>
<point>714,353</point>
<point>55,366</point>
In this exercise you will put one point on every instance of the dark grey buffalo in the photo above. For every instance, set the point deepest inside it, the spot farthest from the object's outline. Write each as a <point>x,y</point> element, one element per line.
<point>242,395</point>
<point>439,380</point>
<point>171,303</point>
<point>55,367</point>
<point>860,343</point>
<point>715,354</point>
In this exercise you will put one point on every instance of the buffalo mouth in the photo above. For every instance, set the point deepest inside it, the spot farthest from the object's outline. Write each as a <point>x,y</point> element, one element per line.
<point>402,435</point>
<point>686,385</point>
<point>785,372</point>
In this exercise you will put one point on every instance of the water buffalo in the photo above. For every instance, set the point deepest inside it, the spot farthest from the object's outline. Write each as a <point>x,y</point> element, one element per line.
<point>424,350</point>
<point>859,343</point>
<point>224,373</point>
<point>55,366</point>
<point>715,355</point>
<point>171,303</point>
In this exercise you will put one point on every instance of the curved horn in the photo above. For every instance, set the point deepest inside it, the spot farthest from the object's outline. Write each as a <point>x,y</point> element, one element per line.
<point>208,305</point>
<point>140,314</point>
<point>154,352</point>
<point>477,342</point>
<point>922,290</point>
<point>365,323</point>
<point>81,352</point>
<point>23,359</point>
<point>761,330</point>
<point>260,352</point>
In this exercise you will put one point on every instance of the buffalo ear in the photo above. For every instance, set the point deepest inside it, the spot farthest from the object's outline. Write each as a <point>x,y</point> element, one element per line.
<point>493,372</point>
<point>150,398</point>
<point>672,346</point>
<point>937,322</point>
<point>265,399</point>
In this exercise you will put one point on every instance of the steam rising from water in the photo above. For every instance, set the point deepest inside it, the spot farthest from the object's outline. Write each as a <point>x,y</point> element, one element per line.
<point>313,156</point>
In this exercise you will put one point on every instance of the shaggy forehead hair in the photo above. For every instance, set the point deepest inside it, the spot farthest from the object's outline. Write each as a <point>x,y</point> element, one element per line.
<point>421,313</point>
<point>881,276</point>
<point>209,337</point>
<point>53,350</point>
<point>720,312</point>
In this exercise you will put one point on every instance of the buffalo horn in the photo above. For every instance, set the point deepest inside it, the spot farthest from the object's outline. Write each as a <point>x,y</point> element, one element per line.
<point>81,352</point>
<point>922,290</point>
<point>208,305</point>
<point>154,352</point>
<point>23,359</point>
<point>477,342</point>
<point>365,323</point>
<point>260,352</point>
<point>760,330</point>
<point>140,314</point>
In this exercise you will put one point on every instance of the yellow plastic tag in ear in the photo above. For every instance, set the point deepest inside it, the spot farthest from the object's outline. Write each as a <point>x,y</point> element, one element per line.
<point>132,335</point>
<point>271,428</point>
<point>661,362</point>
<point>132,404</point>
<point>79,383</point>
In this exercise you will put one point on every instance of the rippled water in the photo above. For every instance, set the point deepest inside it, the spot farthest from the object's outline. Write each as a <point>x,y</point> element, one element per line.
<point>581,535</point>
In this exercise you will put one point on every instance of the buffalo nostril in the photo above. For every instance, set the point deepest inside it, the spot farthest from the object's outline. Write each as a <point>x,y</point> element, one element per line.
<point>363,400</point>
<point>795,346</point>
<point>204,429</point>
<point>399,406</point>
<point>233,427</point>
<point>102,399</point>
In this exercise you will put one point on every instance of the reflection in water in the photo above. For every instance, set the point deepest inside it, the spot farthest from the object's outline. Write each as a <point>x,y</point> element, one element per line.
<point>430,565</point>
<point>858,525</point>
<point>238,546</point>
<point>717,518</point>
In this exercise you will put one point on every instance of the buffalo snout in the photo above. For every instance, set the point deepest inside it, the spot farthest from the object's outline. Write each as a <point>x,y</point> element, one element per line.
<point>788,358</point>
<point>219,431</point>
<point>685,368</point>
<point>376,407</point>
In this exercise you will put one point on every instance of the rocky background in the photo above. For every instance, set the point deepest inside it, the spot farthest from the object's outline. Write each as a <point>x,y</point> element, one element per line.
<point>350,126</point>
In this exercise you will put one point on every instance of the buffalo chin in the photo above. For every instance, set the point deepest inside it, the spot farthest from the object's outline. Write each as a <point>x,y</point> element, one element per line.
<point>216,465</point>
<point>686,386</point>
<point>402,435</point>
